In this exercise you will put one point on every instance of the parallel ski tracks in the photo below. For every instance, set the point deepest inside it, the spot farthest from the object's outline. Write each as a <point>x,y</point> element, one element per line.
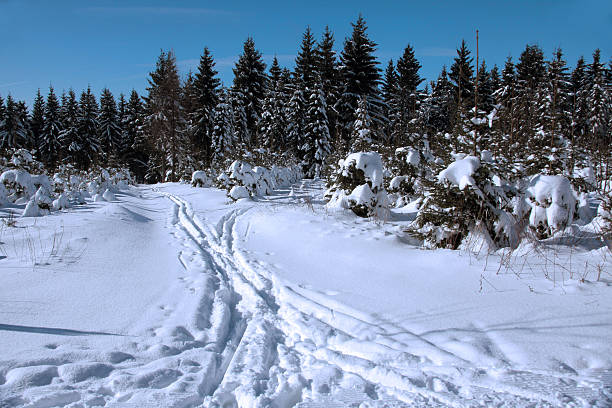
<point>265,309</point>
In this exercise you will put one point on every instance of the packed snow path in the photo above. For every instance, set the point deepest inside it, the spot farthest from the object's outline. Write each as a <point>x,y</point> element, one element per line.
<point>276,303</point>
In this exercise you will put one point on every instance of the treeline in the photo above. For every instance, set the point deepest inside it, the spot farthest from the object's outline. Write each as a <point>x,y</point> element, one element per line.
<point>534,115</point>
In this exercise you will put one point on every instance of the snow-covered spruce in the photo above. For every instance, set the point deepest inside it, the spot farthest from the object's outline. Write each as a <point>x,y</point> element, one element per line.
<point>201,179</point>
<point>241,180</point>
<point>40,195</point>
<point>409,167</point>
<point>467,198</point>
<point>358,186</point>
<point>553,204</point>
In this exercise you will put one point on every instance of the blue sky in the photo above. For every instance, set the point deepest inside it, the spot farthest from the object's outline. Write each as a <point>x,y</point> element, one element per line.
<point>115,44</point>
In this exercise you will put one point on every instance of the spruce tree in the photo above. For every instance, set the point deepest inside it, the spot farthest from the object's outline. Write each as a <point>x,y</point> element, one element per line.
<point>317,140</point>
<point>135,133</point>
<point>557,95</point>
<point>272,123</point>
<point>24,118</point>
<point>69,137</point>
<point>530,100</point>
<point>296,111</point>
<point>330,76</point>
<point>408,80</point>
<point>109,129</point>
<point>442,103</point>
<point>306,60</point>
<point>168,159</point>
<point>250,80</point>
<point>124,146</point>
<point>362,128</point>
<point>37,122</point>
<point>50,144</point>
<point>88,149</point>
<point>223,129</point>
<point>205,86</point>
<point>390,94</point>
<point>360,77</point>
<point>462,76</point>
<point>13,132</point>
<point>598,104</point>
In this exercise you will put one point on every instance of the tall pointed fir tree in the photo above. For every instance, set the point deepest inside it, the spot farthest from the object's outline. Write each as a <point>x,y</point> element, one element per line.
<point>361,78</point>
<point>462,77</point>
<point>135,134</point>
<point>328,69</point>
<point>223,130</point>
<point>557,97</point>
<point>530,88</point>
<point>37,122</point>
<point>272,123</point>
<point>306,60</point>
<point>408,80</point>
<point>109,129</point>
<point>205,86</point>
<point>69,137</point>
<point>442,104</point>
<point>598,104</point>
<point>124,146</point>
<point>88,150</point>
<point>168,159</point>
<point>242,134</point>
<point>390,93</point>
<point>24,118</point>
<point>50,144</point>
<point>317,140</point>
<point>250,80</point>
<point>296,112</point>
<point>362,128</point>
<point>13,132</point>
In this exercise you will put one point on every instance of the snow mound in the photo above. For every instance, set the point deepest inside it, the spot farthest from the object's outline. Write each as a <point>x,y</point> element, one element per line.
<point>238,192</point>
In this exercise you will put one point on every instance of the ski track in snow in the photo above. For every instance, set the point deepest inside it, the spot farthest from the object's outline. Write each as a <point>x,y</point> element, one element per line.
<point>250,339</point>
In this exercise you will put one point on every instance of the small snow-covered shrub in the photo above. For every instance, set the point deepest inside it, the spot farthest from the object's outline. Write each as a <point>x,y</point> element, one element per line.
<point>257,181</point>
<point>18,184</point>
<point>409,168</point>
<point>358,186</point>
<point>466,198</point>
<point>199,178</point>
<point>553,204</point>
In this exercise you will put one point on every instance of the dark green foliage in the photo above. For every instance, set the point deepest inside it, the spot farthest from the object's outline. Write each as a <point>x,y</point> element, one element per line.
<point>109,130</point>
<point>250,80</point>
<point>70,137</point>
<point>307,60</point>
<point>204,93</point>
<point>13,129</point>
<point>37,121</point>
<point>361,79</point>
<point>50,148</point>
<point>87,149</point>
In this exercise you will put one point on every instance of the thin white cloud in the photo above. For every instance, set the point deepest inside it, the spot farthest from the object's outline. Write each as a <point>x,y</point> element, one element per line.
<point>158,10</point>
<point>13,84</point>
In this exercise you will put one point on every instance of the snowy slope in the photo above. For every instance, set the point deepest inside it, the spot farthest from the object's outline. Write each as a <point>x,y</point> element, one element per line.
<point>173,296</point>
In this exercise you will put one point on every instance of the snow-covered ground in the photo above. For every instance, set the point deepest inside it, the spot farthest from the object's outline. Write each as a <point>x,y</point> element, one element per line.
<point>173,296</point>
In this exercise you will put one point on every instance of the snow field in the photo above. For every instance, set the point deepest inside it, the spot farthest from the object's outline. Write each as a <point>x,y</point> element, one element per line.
<point>277,303</point>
